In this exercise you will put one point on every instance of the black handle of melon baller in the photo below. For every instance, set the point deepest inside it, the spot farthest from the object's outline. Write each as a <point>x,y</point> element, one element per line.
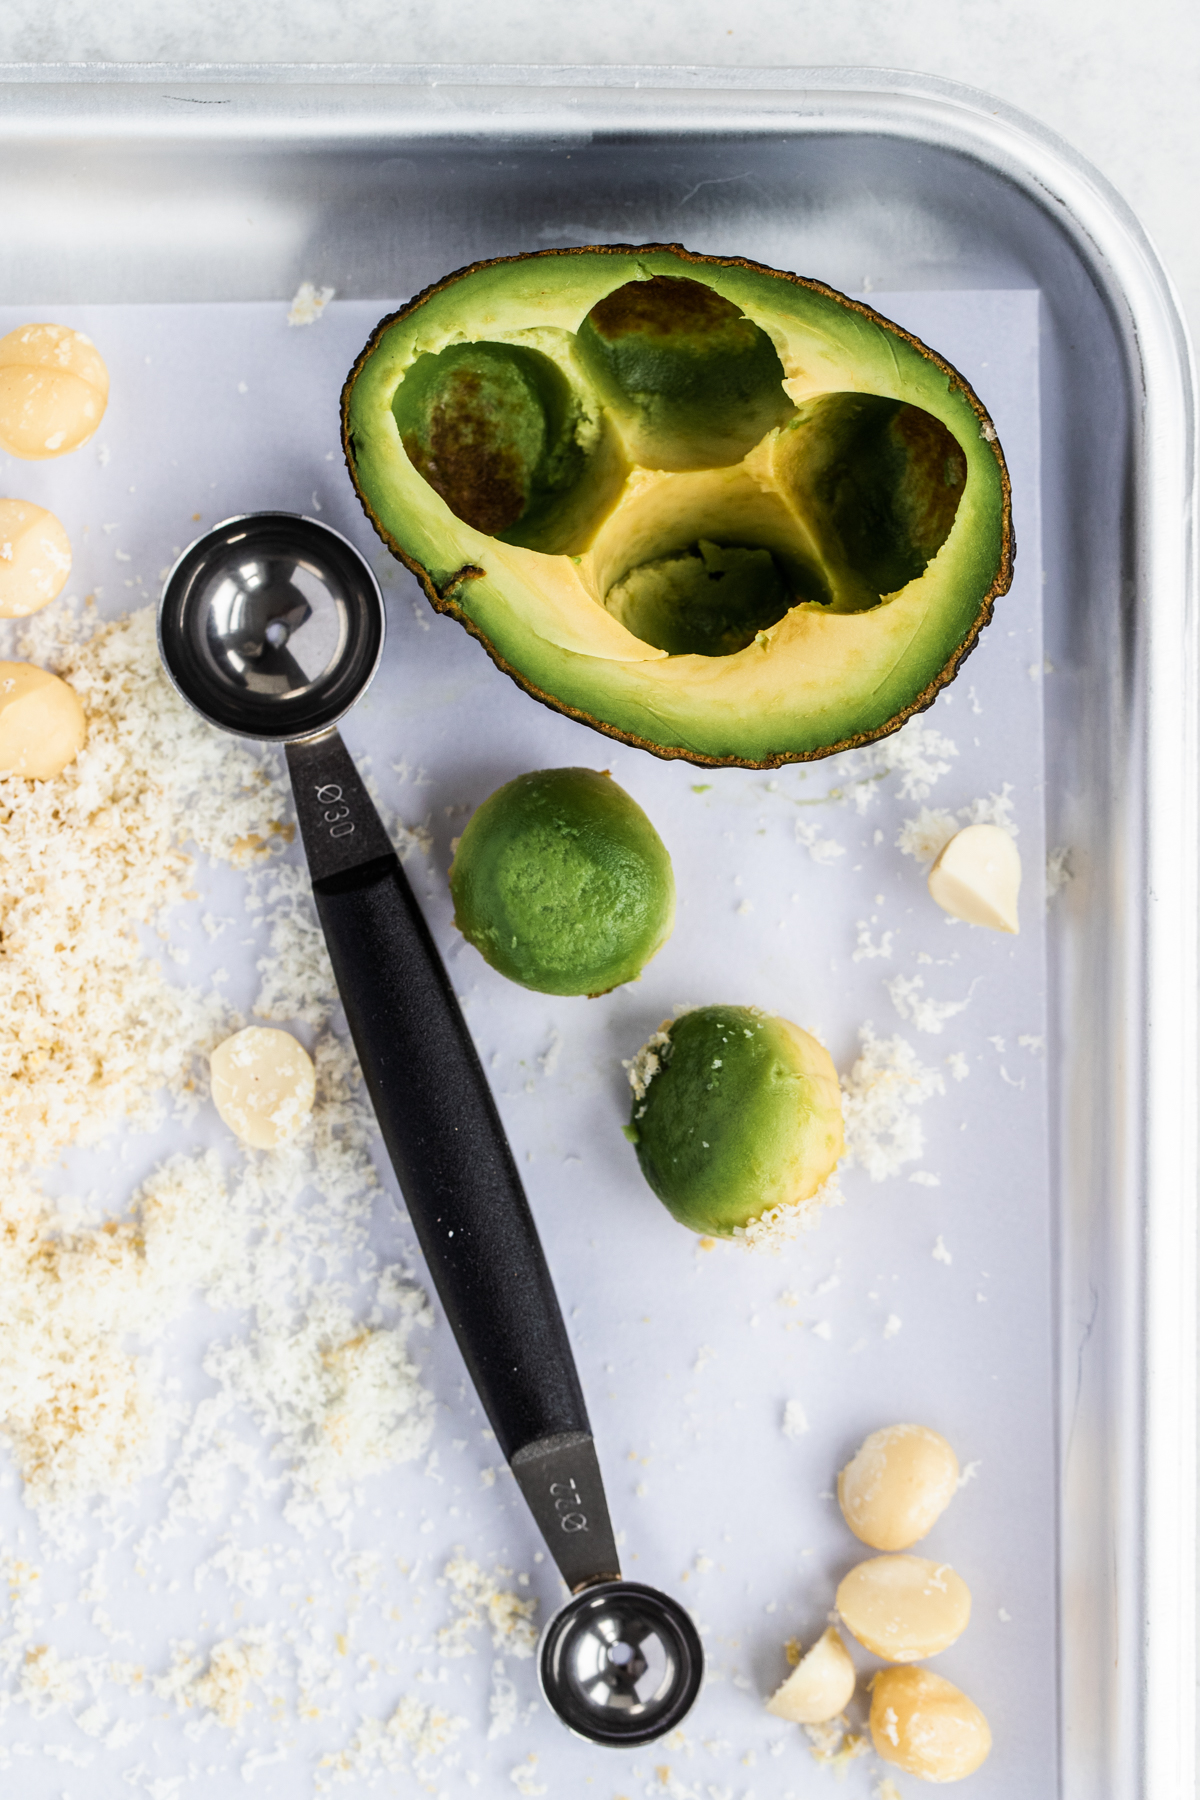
<point>452,1159</point>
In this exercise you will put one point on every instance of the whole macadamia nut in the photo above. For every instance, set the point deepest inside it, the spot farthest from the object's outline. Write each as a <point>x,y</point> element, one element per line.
<point>35,558</point>
<point>42,726</point>
<point>53,391</point>
<point>263,1085</point>
<point>926,1726</point>
<point>819,1687</point>
<point>904,1608</point>
<point>899,1481</point>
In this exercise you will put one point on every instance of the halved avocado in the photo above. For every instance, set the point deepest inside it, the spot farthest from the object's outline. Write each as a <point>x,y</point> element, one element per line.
<point>712,509</point>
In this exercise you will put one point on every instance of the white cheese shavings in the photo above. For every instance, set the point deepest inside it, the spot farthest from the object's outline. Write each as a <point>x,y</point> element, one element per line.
<point>919,1009</point>
<point>824,851</point>
<point>917,753</point>
<point>480,1600</point>
<point>221,1685</point>
<point>524,1778</point>
<point>879,1096</point>
<point>90,1030</point>
<point>925,837</point>
<point>502,1702</point>
<point>422,1732</point>
<point>865,949</point>
<point>784,1223</point>
<point>79,1403</point>
<point>835,1745</point>
<point>309,303</point>
<point>995,810</point>
<point>795,1420</point>
<point>643,1067</point>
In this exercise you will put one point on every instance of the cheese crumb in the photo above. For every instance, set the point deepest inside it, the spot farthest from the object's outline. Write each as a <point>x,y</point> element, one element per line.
<point>926,1014</point>
<point>795,1420</point>
<point>91,1032</point>
<point>309,303</point>
<point>222,1686</point>
<point>424,1732</point>
<point>879,1096</point>
<point>784,1223</point>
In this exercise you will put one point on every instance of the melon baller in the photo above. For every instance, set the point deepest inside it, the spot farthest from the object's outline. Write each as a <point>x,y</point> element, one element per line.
<point>271,626</point>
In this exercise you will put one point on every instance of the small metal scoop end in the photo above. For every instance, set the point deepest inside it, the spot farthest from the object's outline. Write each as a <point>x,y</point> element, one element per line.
<point>271,625</point>
<point>621,1664</point>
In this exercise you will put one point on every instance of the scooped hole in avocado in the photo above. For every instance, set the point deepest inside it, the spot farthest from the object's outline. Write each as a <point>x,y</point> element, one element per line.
<point>879,484</point>
<point>704,600</point>
<point>498,432</point>
<point>693,381</point>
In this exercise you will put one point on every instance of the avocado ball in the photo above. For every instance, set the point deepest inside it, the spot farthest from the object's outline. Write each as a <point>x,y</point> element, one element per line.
<point>735,1113</point>
<point>562,884</point>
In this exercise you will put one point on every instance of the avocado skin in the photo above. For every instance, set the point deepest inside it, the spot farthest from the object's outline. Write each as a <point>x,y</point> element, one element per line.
<point>562,884</point>
<point>743,1115</point>
<point>834,674</point>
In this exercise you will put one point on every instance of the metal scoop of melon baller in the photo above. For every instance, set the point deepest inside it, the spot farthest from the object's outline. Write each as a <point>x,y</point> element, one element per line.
<point>271,626</point>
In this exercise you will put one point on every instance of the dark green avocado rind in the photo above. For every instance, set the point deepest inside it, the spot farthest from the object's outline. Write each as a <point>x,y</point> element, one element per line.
<point>629,700</point>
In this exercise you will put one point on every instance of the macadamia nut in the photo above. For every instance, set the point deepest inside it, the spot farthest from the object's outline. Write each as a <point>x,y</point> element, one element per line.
<point>263,1085</point>
<point>819,1687</point>
<point>35,558</point>
<point>904,1608</point>
<point>926,1726</point>
<point>896,1485</point>
<point>53,391</point>
<point>42,726</point>
<point>977,877</point>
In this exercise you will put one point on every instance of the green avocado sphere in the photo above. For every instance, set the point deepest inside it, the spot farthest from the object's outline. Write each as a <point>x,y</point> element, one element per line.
<point>735,1113</point>
<point>562,883</point>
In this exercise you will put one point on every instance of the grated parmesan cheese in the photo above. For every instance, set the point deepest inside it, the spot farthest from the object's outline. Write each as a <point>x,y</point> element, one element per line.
<point>795,1420</point>
<point>917,753</point>
<point>784,1223</point>
<point>926,1014</point>
<point>925,837</point>
<point>423,1732</point>
<point>480,1599</point>
<point>309,303</point>
<point>879,1095</point>
<point>90,1031</point>
<point>835,1745</point>
<point>221,1686</point>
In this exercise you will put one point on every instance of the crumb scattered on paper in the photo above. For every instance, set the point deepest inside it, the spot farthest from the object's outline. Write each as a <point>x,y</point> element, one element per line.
<point>309,303</point>
<point>879,1097</point>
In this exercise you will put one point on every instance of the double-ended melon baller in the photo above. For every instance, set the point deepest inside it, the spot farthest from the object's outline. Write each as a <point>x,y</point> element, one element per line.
<point>271,626</point>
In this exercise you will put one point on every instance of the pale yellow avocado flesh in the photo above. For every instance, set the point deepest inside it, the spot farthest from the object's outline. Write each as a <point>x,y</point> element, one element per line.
<point>819,679</point>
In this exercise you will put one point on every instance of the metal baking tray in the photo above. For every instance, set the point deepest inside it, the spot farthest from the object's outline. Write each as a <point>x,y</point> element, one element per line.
<point>208,183</point>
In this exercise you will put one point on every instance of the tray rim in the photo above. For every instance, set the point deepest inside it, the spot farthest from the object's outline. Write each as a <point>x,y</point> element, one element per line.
<point>323,101</point>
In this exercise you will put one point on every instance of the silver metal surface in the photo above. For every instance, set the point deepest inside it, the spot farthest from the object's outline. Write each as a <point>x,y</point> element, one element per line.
<point>271,625</point>
<point>910,183</point>
<point>621,1664</point>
